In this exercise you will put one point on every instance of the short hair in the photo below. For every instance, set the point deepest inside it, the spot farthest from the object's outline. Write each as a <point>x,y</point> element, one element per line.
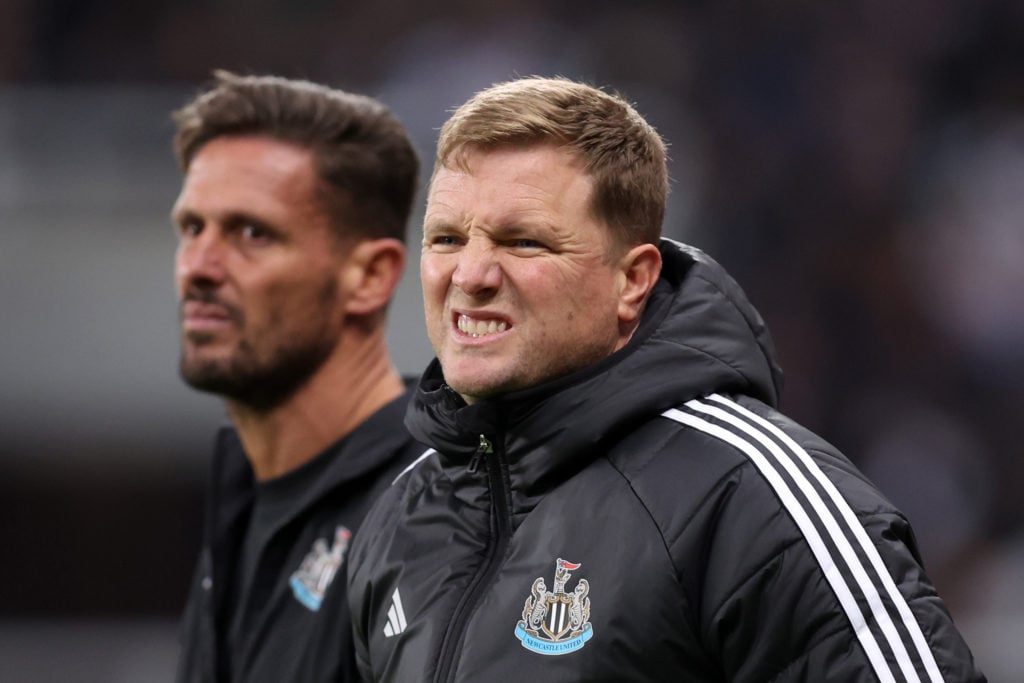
<point>622,153</point>
<point>362,155</point>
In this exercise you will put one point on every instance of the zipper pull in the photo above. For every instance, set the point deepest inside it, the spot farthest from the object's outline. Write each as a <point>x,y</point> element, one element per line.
<point>483,449</point>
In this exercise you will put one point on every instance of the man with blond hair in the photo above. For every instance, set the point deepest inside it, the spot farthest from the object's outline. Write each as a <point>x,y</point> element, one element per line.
<point>614,495</point>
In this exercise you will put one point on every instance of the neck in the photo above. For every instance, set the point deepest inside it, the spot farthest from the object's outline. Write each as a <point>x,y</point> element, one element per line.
<point>353,383</point>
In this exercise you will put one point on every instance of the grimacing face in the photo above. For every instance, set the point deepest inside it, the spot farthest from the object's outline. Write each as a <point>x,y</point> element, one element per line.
<point>520,284</point>
<point>256,271</point>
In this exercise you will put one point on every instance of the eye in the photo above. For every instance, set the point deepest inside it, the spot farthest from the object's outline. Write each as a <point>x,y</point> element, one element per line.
<point>525,246</point>
<point>443,241</point>
<point>189,227</point>
<point>254,233</point>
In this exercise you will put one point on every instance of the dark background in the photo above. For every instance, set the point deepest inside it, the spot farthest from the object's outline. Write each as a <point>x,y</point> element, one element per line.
<point>858,166</point>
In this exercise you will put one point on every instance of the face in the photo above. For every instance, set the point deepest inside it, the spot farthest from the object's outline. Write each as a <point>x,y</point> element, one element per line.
<point>519,282</point>
<point>256,271</point>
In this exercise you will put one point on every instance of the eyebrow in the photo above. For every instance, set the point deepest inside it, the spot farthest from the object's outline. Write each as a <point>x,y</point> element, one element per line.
<point>179,214</point>
<point>229,218</point>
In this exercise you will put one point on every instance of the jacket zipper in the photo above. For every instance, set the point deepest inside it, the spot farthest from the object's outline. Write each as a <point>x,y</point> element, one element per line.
<point>497,542</point>
<point>483,449</point>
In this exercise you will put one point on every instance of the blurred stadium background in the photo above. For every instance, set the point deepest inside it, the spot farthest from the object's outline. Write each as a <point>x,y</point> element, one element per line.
<point>858,166</point>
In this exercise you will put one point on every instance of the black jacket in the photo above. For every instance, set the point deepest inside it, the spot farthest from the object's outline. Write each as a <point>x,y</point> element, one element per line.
<point>295,622</point>
<point>651,518</point>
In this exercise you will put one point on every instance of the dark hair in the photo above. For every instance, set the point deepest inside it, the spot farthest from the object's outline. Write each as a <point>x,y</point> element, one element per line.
<point>362,155</point>
<point>622,153</point>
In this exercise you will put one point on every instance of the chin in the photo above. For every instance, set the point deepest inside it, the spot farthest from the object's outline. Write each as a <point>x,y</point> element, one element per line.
<point>480,389</point>
<point>469,386</point>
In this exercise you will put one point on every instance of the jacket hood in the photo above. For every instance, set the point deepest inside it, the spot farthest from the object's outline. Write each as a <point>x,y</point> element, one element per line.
<point>699,334</point>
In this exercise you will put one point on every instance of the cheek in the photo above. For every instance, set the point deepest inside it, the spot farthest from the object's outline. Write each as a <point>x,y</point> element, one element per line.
<point>587,302</point>
<point>279,302</point>
<point>180,281</point>
<point>572,290</point>
<point>434,276</point>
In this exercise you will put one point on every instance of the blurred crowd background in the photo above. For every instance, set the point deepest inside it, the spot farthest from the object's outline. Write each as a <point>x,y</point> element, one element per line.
<point>857,166</point>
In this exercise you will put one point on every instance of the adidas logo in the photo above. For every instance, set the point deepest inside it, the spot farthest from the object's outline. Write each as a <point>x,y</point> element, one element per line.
<point>396,617</point>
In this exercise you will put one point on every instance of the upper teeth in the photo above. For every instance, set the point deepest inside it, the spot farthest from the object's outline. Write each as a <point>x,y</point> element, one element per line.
<point>478,328</point>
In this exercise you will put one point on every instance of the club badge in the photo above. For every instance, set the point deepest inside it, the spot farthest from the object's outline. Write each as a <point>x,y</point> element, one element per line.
<point>555,622</point>
<point>310,581</point>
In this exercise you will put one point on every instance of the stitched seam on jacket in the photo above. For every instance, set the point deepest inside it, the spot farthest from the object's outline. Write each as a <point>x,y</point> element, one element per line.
<point>695,625</point>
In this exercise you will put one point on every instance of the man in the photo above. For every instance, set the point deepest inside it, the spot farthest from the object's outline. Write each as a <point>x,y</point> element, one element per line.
<point>290,223</point>
<point>614,496</point>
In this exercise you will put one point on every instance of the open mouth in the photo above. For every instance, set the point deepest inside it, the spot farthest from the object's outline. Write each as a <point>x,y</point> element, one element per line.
<point>480,327</point>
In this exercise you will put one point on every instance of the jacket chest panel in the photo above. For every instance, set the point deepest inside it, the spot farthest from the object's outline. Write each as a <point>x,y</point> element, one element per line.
<point>579,592</point>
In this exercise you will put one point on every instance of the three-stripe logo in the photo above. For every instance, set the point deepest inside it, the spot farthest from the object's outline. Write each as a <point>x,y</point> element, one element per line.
<point>396,616</point>
<point>829,525</point>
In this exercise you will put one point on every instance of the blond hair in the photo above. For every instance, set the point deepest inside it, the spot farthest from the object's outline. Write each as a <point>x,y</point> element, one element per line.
<point>622,154</point>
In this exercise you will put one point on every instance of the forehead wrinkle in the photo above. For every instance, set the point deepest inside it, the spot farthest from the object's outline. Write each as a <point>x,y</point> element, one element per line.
<point>492,204</point>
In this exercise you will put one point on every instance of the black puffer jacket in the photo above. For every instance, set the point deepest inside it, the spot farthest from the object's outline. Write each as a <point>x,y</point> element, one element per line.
<point>652,518</point>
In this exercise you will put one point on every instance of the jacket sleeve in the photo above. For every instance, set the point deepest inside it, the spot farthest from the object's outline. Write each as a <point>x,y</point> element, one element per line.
<point>820,580</point>
<point>364,561</point>
<point>195,635</point>
<point>358,589</point>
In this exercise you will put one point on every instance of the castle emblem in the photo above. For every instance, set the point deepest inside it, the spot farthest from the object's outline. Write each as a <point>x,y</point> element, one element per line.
<point>556,622</point>
<point>310,581</point>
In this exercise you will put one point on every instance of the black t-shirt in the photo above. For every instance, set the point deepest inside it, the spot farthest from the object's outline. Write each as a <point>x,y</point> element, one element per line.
<point>268,602</point>
<point>275,502</point>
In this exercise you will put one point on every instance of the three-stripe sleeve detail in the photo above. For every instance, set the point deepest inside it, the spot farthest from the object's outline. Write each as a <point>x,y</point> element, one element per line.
<point>848,559</point>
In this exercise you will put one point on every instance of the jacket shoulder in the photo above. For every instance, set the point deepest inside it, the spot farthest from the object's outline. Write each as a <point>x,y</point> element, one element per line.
<point>702,455</point>
<point>763,517</point>
<point>417,474</point>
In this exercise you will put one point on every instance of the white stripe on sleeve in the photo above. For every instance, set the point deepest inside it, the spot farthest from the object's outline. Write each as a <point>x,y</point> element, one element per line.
<point>417,461</point>
<point>799,515</point>
<point>859,533</point>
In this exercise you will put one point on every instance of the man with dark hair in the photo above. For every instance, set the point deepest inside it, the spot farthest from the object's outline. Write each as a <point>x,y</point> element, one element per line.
<point>291,225</point>
<point>614,495</point>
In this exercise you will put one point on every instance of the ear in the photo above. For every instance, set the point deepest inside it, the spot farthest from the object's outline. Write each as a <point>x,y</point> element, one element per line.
<point>638,272</point>
<point>371,274</point>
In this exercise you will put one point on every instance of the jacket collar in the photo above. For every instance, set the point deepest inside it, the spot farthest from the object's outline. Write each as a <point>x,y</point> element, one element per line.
<point>370,446</point>
<point>698,335</point>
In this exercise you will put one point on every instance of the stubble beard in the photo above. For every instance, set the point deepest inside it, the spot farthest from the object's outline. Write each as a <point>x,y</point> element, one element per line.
<point>525,372</point>
<point>262,381</point>
<point>261,385</point>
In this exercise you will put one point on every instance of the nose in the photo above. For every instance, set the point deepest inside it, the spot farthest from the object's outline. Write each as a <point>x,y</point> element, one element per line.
<point>200,260</point>
<point>477,272</point>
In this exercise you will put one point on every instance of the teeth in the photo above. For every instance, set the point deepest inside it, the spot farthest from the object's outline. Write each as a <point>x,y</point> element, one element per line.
<point>479,328</point>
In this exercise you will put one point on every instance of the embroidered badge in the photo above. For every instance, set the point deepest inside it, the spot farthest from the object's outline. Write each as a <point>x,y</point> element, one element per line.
<point>555,622</point>
<point>310,581</point>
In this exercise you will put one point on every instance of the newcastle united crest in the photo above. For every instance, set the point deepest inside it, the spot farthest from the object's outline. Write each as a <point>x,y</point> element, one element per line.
<point>556,622</point>
<point>310,581</point>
